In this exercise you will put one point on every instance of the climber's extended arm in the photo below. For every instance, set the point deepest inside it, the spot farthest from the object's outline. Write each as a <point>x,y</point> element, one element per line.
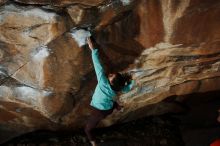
<point>99,70</point>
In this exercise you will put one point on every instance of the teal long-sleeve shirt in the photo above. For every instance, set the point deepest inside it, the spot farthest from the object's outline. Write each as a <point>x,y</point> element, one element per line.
<point>103,97</point>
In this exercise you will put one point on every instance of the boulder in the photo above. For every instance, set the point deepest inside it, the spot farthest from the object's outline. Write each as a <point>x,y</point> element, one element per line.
<point>47,76</point>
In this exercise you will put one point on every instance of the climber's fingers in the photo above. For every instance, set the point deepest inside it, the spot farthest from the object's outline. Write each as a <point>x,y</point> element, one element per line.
<point>89,41</point>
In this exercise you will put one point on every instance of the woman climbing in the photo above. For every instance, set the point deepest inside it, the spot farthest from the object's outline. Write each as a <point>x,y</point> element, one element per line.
<point>103,100</point>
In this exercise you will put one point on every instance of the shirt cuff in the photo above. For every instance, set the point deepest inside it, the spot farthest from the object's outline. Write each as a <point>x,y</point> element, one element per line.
<point>94,50</point>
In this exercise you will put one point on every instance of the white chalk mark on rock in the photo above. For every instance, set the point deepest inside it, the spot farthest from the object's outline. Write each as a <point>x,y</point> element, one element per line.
<point>80,36</point>
<point>126,2</point>
<point>40,54</point>
<point>31,12</point>
<point>29,95</point>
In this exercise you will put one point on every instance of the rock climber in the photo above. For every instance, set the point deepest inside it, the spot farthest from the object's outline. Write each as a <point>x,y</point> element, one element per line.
<point>103,100</point>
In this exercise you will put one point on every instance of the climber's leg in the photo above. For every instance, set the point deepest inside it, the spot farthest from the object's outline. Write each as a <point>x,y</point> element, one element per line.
<point>94,119</point>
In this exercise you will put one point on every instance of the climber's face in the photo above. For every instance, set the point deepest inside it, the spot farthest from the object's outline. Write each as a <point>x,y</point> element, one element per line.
<point>111,77</point>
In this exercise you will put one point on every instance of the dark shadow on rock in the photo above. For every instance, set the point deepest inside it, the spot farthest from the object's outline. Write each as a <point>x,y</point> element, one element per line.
<point>117,44</point>
<point>150,131</point>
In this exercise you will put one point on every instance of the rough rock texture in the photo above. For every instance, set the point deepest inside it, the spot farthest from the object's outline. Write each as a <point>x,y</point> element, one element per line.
<point>3,2</point>
<point>61,3</point>
<point>47,80</point>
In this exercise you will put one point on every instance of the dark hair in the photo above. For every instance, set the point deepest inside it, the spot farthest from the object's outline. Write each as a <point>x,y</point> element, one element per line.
<point>120,80</point>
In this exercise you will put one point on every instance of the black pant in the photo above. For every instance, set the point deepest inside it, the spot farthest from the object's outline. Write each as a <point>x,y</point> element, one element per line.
<point>96,116</point>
